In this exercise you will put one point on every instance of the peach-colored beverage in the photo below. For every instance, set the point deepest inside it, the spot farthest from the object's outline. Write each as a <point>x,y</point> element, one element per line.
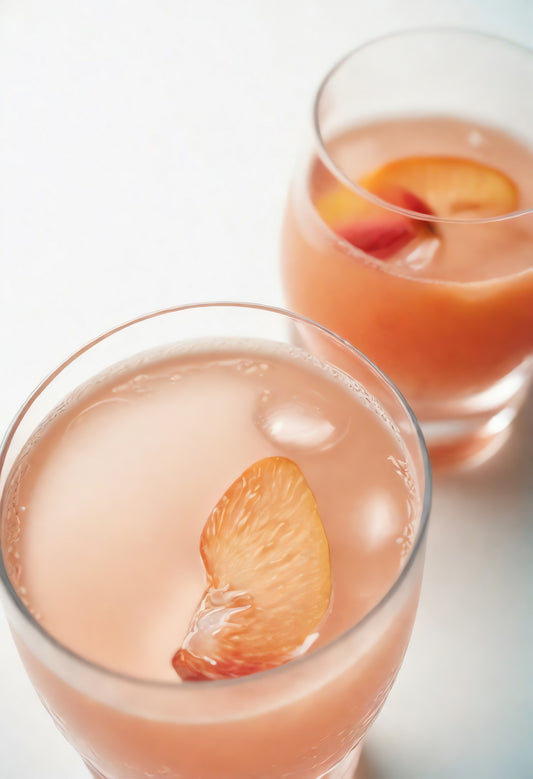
<point>104,512</point>
<point>409,228</point>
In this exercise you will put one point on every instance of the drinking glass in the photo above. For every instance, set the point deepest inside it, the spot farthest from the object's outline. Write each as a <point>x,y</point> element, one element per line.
<point>457,341</point>
<point>304,719</point>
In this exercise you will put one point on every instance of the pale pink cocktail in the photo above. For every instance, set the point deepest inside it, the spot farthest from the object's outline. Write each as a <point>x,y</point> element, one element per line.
<point>103,507</point>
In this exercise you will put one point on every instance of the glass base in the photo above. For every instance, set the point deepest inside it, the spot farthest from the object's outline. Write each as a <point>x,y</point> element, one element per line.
<point>470,451</point>
<point>471,432</point>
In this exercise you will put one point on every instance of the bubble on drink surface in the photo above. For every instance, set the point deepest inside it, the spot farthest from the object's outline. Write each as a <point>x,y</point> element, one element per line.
<point>138,384</point>
<point>252,367</point>
<point>407,537</point>
<point>475,138</point>
<point>301,422</point>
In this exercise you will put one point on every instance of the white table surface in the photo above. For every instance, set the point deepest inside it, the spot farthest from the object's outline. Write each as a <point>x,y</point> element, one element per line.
<point>145,153</point>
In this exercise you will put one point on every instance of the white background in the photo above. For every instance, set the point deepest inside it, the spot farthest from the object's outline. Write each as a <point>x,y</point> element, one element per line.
<point>145,154</point>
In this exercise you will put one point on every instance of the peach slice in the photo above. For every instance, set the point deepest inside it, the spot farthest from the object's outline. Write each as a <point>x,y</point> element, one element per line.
<point>447,186</point>
<point>267,562</point>
<point>379,237</point>
<point>340,206</point>
<point>369,227</point>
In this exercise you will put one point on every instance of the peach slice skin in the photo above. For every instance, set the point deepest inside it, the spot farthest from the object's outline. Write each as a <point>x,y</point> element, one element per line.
<point>379,237</point>
<point>268,569</point>
<point>369,227</point>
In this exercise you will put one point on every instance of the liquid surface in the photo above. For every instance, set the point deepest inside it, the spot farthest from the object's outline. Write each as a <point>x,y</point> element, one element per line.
<point>105,509</point>
<point>456,251</point>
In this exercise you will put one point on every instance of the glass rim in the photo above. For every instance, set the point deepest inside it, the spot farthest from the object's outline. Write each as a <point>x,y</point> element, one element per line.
<point>365,193</point>
<point>154,684</point>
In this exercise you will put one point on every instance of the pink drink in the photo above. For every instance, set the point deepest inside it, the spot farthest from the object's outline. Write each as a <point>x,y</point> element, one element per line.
<point>102,517</point>
<point>409,226</point>
<point>447,316</point>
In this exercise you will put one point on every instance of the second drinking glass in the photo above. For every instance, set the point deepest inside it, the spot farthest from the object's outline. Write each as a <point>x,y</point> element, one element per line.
<point>409,228</point>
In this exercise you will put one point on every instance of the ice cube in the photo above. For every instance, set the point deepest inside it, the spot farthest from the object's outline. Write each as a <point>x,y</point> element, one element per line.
<point>299,424</point>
